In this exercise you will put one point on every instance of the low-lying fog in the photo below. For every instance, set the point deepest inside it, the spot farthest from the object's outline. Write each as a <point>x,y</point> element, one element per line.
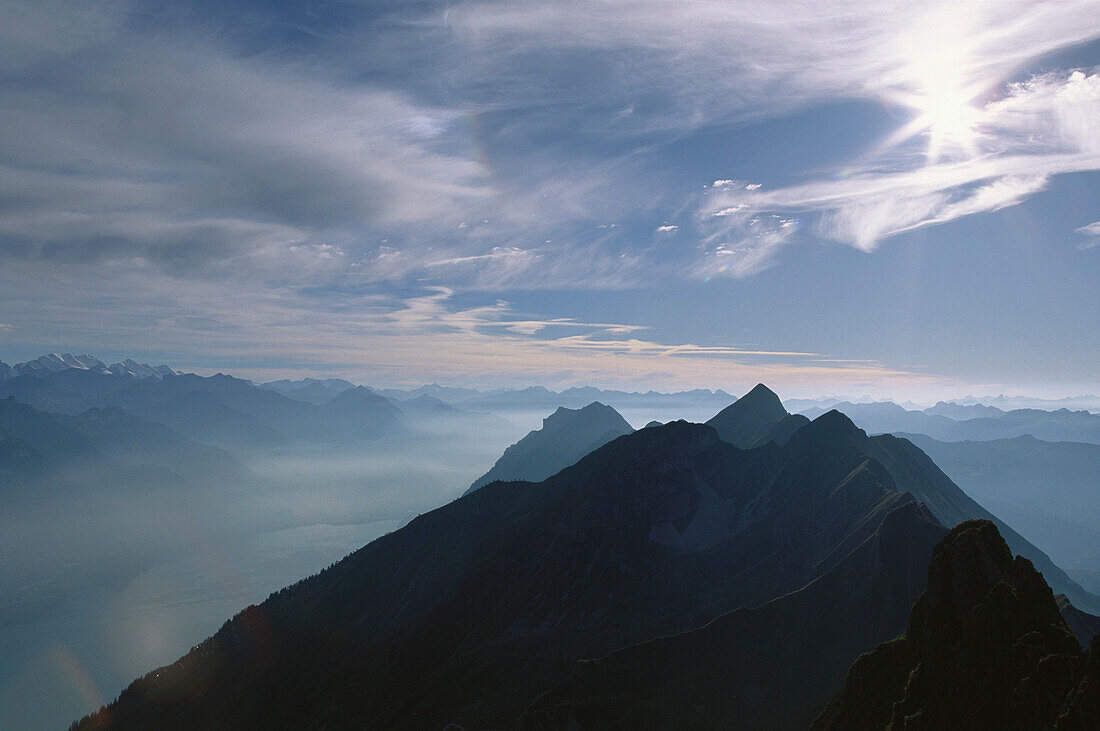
<point>97,589</point>
<point>103,580</point>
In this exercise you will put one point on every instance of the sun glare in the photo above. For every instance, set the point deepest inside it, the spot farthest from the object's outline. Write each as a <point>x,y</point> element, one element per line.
<point>947,114</point>
<point>939,86</point>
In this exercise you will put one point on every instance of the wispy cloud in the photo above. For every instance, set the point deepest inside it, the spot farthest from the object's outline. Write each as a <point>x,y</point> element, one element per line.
<point>1092,231</point>
<point>173,146</point>
<point>253,188</point>
<point>388,340</point>
<point>1047,126</point>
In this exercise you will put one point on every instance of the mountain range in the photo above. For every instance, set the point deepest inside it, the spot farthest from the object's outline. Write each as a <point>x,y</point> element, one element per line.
<point>722,586</point>
<point>947,423</point>
<point>1049,491</point>
<point>54,362</point>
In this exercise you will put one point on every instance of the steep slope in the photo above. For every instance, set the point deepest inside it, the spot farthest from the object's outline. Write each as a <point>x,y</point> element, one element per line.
<point>756,418</point>
<point>985,647</point>
<point>565,436</point>
<point>914,471</point>
<point>1084,626</point>
<point>472,611</point>
<point>1049,491</point>
<point>770,666</point>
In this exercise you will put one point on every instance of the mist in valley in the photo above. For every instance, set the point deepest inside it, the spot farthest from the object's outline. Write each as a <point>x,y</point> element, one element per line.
<point>100,584</point>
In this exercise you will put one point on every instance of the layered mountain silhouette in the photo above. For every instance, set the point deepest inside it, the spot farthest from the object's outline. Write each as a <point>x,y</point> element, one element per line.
<point>1049,491</point>
<point>472,612</point>
<point>565,436</point>
<point>721,587</point>
<point>43,453</point>
<point>957,424</point>
<point>759,417</point>
<point>985,647</point>
<point>1084,626</point>
<point>756,418</point>
<point>220,410</point>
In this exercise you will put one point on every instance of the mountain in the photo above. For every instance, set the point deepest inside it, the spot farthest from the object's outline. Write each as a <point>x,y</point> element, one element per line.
<point>962,412</point>
<point>1083,625</point>
<point>311,390</point>
<point>985,647</point>
<point>760,417</point>
<point>1046,490</point>
<point>756,418</point>
<point>101,449</point>
<point>1061,425</point>
<point>764,667</point>
<point>134,369</point>
<point>565,436</point>
<point>220,410</point>
<point>539,397</point>
<point>472,612</point>
<point>913,470</point>
<point>54,363</point>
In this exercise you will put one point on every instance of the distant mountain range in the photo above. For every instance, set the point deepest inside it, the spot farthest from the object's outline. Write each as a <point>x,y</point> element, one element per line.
<point>233,413</point>
<point>945,422</point>
<point>1049,491</point>
<point>54,362</point>
<point>733,587</point>
<point>101,449</point>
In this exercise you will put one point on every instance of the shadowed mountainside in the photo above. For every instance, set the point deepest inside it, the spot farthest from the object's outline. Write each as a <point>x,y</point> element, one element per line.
<point>565,436</point>
<point>756,418</point>
<point>472,611</point>
<point>985,647</point>
<point>1050,491</point>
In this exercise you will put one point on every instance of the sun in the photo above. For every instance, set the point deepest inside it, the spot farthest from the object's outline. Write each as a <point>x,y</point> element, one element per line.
<point>946,114</point>
<point>938,81</point>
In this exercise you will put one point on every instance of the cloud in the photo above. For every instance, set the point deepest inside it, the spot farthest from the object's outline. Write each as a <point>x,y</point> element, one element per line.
<point>398,340</point>
<point>667,228</point>
<point>1092,231</point>
<point>1046,126</point>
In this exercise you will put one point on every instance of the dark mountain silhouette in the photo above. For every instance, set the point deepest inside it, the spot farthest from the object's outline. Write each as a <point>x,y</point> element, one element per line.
<point>985,647</point>
<point>759,417</point>
<point>472,611</point>
<point>1049,491</point>
<point>770,666</point>
<point>565,436</point>
<point>756,418</point>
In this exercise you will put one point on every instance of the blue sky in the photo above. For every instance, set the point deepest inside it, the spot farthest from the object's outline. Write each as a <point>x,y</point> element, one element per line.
<point>898,199</point>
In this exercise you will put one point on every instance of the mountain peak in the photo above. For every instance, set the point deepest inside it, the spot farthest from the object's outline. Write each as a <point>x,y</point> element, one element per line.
<point>748,421</point>
<point>566,436</point>
<point>986,647</point>
<point>593,411</point>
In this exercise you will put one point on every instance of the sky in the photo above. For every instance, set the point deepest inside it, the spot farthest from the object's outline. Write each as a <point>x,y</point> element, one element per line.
<point>893,198</point>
